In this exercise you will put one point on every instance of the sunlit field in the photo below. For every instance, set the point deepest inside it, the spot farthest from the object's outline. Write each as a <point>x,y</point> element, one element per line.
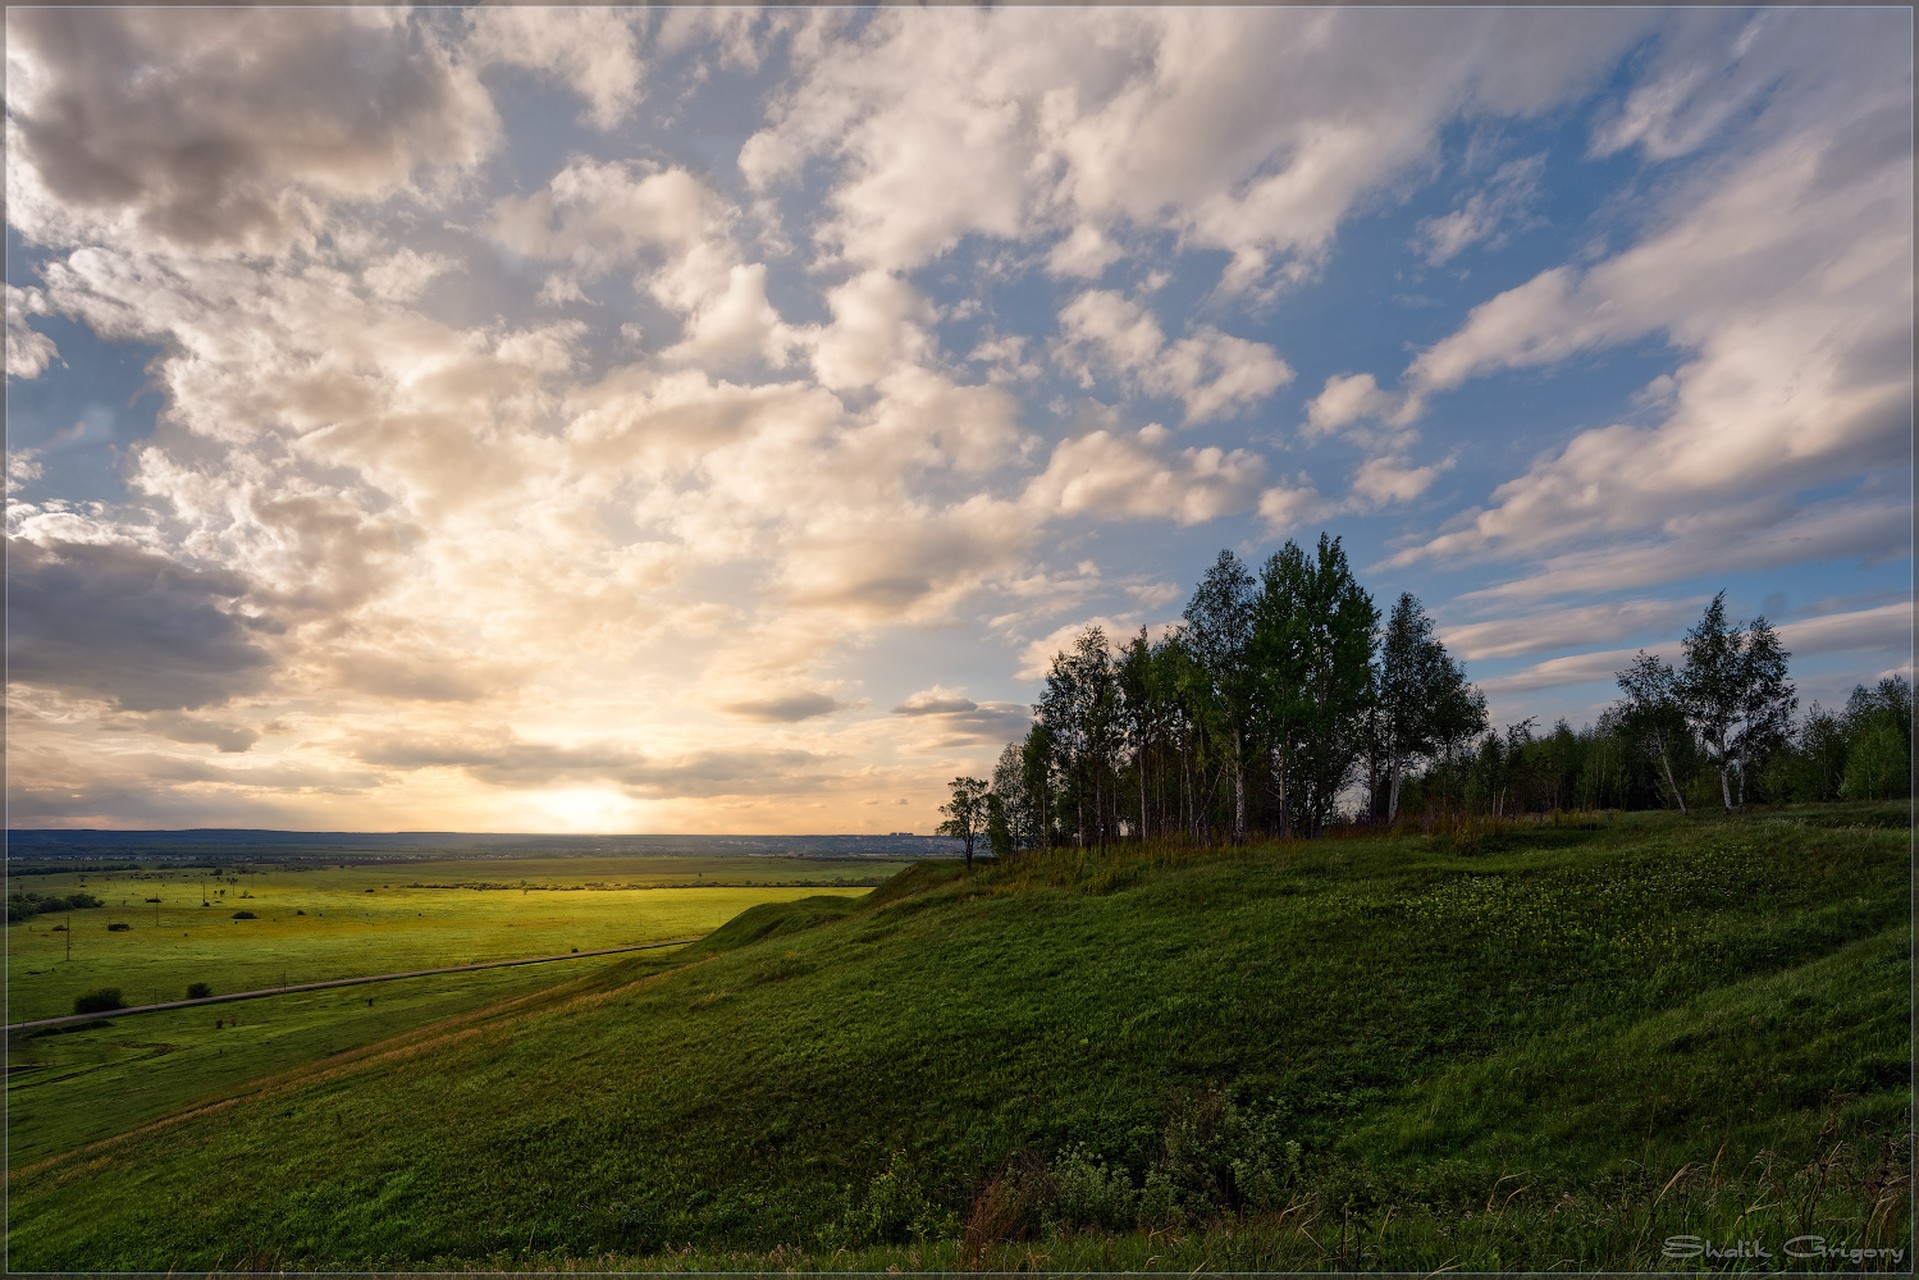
<point>320,923</point>
<point>76,1084</point>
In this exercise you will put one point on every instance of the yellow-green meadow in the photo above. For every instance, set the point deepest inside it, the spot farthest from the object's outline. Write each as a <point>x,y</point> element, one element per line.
<point>313,924</point>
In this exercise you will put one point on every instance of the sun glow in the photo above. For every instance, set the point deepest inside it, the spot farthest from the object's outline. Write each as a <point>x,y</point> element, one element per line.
<point>586,811</point>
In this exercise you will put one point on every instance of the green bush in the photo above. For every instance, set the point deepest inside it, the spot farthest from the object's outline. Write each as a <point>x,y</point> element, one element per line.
<point>895,1209</point>
<point>199,990</point>
<point>104,1000</point>
<point>1091,1193</point>
<point>118,926</point>
<point>244,915</point>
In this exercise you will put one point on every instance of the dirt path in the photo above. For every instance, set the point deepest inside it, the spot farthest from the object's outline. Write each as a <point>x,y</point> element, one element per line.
<point>336,982</point>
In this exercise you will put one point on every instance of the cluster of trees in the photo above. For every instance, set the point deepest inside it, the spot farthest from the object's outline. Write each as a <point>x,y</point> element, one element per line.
<point>1716,730</point>
<point>1282,700</point>
<point>1276,695</point>
<point>25,906</point>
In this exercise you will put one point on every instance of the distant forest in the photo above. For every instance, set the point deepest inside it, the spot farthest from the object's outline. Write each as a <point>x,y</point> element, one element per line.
<point>1282,706</point>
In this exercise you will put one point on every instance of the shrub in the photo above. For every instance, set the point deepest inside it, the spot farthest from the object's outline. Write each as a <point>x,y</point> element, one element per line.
<point>198,990</point>
<point>1092,1193</point>
<point>101,1001</point>
<point>244,915</point>
<point>896,1209</point>
<point>118,926</point>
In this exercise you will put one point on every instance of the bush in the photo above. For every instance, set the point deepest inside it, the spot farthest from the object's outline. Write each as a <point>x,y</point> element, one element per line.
<point>244,915</point>
<point>118,926</point>
<point>1092,1194</point>
<point>198,990</point>
<point>101,1001</point>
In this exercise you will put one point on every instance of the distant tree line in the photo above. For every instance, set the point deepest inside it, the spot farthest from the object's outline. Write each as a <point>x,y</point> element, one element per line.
<point>1282,705</point>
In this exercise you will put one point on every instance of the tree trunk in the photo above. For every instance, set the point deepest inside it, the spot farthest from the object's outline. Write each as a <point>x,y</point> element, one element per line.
<point>1676,794</point>
<point>1372,785</point>
<point>1725,787</point>
<point>1285,803</point>
<point>1394,772</point>
<point>1239,789</point>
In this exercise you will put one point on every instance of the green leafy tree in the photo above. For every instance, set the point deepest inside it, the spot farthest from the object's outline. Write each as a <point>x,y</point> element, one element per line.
<point>1312,676</point>
<point>1014,810</point>
<point>1218,637</point>
<point>1145,713</point>
<point>1652,715</point>
<point>1080,709</point>
<point>1878,767</point>
<point>1037,768</point>
<point>966,814</point>
<point>1734,692</point>
<point>1878,729</point>
<point>1424,700</point>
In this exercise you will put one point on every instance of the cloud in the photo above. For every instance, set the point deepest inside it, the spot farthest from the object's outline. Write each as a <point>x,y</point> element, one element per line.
<point>1720,72</point>
<point>594,52</point>
<point>122,624</point>
<point>1886,627</point>
<point>405,273</point>
<point>938,700</point>
<point>1394,479</point>
<point>1085,252</point>
<point>1115,476</point>
<point>958,722</point>
<point>913,562</point>
<point>1785,278</point>
<point>503,759</point>
<point>1489,215</point>
<point>231,739</point>
<point>1253,131</point>
<point>786,709</point>
<point>597,215</point>
<point>1346,399</point>
<point>1752,536</point>
<point>226,128</point>
<point>414,678</point>
<point>880,322</point>
<point>1579,668</point>
<point>28,351</point>
<point>1283,508</point>
<point>1212,373</point>
<point>1036,658</point>
<point>1565,626</point>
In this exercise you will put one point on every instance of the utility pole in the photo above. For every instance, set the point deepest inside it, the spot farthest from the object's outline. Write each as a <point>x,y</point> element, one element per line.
<point>69,920</point>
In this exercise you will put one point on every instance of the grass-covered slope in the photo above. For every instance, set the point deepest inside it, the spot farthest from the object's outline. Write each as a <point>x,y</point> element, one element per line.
<point>1554,1047</point>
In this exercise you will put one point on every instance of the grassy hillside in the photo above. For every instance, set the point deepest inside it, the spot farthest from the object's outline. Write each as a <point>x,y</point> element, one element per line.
<point>1549,1047</point>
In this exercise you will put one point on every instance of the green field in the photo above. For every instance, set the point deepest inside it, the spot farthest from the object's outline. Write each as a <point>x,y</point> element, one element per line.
<point>67,1087</point>
<point>1545,1047</point>
<point>313,924</point>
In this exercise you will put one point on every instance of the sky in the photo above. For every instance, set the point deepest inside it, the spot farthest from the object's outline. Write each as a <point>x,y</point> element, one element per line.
<point>713,419</point>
